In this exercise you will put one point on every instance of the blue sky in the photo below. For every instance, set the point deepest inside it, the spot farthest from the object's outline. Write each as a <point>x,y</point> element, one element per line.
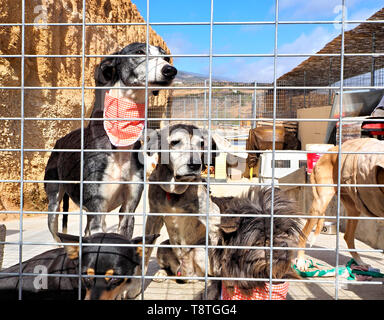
<point>237,39</point>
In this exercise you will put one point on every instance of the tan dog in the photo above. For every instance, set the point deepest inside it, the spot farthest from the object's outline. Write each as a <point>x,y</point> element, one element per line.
<point>355,169</point>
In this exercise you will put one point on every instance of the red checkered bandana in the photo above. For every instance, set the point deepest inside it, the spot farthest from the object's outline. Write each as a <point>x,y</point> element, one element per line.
<point>123,133</point>
<point>279,292</point>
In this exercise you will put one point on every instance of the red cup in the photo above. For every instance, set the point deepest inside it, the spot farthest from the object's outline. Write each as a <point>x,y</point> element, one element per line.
<point>312,158</point>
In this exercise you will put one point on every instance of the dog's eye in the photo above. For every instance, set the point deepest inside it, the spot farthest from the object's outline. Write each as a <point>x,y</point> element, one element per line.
<point>140,52</point>
<point>174,142</point>
<point>114,282</point>
<point>88,281</point>
<point>167,59</point>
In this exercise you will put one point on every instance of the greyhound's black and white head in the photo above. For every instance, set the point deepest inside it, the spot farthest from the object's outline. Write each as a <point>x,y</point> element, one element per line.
<point>184,154</point>
<point>123,71</point>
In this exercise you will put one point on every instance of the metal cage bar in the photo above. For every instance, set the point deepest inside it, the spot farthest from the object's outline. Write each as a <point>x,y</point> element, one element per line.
<point>208,119</point>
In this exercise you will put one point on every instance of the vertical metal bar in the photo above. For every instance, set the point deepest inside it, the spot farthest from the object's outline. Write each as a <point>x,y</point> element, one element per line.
<point>273,143</point>
<point>196,110</point>
<point>82,146</point>
<point>339,151</point>
<point>205,102</point>
<point>373,64</point>
<point>239,108</point>
<point>22,150</point>
<point>145,150</point>
<point>329,80</point>
<point>209,150</point>
<point>305,91</point>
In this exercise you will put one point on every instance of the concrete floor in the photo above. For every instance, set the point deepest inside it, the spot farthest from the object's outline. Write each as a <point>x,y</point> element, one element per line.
<point>35,232</point>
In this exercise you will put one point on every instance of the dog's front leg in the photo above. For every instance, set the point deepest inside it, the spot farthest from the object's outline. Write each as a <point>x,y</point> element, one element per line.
<point>127,221</point>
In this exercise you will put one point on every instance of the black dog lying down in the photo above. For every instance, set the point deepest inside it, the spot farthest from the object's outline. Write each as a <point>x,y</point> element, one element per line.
<point>253,231</point>
<point>105,261</point>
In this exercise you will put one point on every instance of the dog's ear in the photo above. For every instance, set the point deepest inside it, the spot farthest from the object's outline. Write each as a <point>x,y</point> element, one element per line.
<point>72,251</point>
<point>229,224</point>
<point>106,72</point>
<point>213,148</point>
<point>149,239</point>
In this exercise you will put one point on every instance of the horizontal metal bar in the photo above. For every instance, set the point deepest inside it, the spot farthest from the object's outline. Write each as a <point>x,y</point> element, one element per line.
<point>212,278</point>
<point>195,183</point>
<point>199,88</point>
<point>197,55</point>
<point>172,214</point>
<point>186,151</point>
<point>344,119</point>
<point>88,244</point>
<point>192,23</point>
<point>186,119</point>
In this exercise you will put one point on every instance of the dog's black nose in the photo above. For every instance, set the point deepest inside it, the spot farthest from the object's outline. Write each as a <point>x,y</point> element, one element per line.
<point>194,166</point>
<point>169,72</point>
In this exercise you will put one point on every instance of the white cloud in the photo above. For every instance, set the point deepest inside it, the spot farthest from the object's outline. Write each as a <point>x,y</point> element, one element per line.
<point>262,69</point>
<point>305,9</point>
<point>309,42</point>
<point>178,43</point>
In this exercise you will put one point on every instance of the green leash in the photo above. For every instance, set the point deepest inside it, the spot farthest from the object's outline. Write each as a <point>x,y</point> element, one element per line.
<point>318,270</point>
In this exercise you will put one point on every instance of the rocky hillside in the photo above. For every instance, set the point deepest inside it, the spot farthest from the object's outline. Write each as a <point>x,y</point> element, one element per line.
<point>57,72</point>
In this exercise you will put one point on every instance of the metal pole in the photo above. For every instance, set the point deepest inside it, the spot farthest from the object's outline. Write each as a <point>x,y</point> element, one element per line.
<point>373,64</point>
<point>22,83</point>
<point>329,80</point>
<point>205,103</point>
<point>239,108</point>
<point>304,89</point>
<point>254,106</point>
<point>196,109</point>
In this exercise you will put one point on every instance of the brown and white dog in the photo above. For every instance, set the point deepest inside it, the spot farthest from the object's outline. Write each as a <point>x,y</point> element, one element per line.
<point>355,169</point>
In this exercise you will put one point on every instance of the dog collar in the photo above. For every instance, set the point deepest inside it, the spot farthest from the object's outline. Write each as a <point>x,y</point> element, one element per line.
<point>168,195</point>
<point>279,292</point>
<point>122,133</point>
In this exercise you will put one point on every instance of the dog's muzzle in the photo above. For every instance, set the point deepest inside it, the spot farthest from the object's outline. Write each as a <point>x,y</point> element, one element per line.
<point>189,172</point>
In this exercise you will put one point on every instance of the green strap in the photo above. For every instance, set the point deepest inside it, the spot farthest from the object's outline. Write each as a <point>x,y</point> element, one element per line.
<point>373,274</point>
<point>319,271</point>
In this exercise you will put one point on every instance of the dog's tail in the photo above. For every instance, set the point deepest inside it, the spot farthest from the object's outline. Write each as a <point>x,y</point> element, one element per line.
<point>65,209</point>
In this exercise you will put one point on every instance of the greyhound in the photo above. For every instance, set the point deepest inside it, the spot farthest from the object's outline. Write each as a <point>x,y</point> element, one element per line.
<point>178,166</point>
<point>105,165</point>
<point>364,168</point>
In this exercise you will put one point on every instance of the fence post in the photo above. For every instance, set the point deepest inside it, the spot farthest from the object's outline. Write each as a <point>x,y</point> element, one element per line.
<point>305,92</point>
<point>205,103</point>
<point>373,59</point>
<point>254,107</point>
<point>196,111</point>
<point>239,109</point>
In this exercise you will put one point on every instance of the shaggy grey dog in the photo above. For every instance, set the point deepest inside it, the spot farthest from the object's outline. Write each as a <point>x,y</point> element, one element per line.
<point>254,232</point>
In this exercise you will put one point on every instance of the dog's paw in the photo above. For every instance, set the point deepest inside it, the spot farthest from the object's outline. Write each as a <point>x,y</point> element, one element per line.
<point>160,273</point>
<point>302,264</point>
